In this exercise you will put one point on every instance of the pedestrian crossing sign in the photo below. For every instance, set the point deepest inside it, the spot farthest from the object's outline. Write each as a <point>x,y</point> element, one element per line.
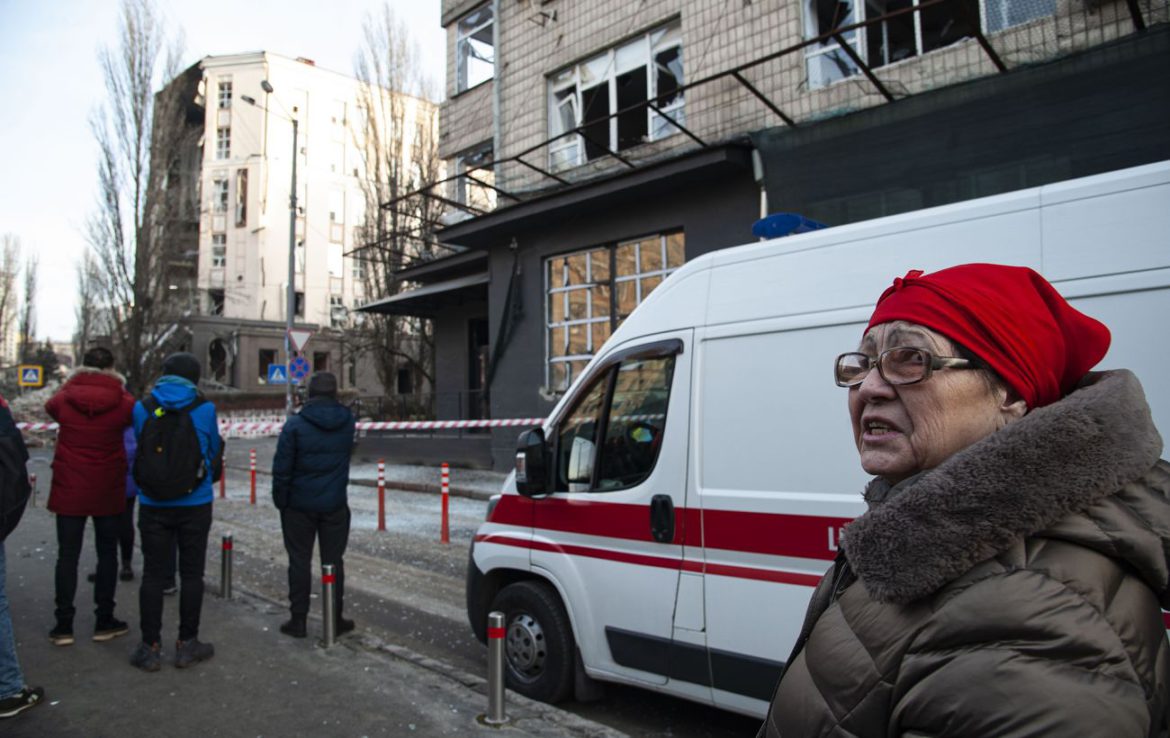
<point>277,374</point>
<point>31,376</point>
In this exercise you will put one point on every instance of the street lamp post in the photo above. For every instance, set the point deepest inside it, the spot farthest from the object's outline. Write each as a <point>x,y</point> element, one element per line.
<point>291,293</point>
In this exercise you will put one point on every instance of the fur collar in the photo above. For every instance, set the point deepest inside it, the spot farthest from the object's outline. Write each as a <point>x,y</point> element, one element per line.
<point>80,370</point>
<point>1055,461</point>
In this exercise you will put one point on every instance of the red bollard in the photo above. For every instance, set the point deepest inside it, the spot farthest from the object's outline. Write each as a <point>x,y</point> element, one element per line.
<point>252,468</point>
<point>381,495</point>
<point>445,533</point>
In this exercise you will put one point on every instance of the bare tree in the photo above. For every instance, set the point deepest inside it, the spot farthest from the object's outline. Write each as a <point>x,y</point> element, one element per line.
<point>127,235</point>
<point>9,268</point>
<point>86,312</point>
<point>398,142</point>
<point>28,310</point>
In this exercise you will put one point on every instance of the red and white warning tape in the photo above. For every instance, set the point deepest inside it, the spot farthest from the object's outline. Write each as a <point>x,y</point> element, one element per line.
<point>227,426</point>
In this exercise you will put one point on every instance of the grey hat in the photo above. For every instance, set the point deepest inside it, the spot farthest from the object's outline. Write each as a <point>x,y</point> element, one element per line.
<point>323,384</point>
<point>183,365</point>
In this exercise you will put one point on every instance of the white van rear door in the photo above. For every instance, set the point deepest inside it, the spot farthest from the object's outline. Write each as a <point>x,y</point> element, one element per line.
<point>611,537</point>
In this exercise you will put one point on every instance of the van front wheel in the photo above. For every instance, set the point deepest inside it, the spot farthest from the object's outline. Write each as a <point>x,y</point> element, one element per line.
<point>538,641</point>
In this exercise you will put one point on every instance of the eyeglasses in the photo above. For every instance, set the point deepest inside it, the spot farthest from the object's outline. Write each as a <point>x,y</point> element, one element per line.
<point>899,366</point>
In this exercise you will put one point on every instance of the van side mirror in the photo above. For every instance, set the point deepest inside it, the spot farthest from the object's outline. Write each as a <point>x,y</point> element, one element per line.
<point>531,469</point>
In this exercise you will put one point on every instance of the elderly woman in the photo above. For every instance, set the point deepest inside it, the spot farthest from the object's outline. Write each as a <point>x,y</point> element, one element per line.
<point>1009,575</point>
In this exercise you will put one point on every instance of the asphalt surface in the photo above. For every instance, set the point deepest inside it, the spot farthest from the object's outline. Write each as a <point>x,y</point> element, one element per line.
<point>260,683</point>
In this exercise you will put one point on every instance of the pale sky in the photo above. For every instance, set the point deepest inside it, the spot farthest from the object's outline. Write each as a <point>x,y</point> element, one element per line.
<point>50,82</point>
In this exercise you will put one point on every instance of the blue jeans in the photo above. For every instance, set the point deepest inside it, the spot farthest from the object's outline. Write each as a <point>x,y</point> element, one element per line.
<point>11,680</point>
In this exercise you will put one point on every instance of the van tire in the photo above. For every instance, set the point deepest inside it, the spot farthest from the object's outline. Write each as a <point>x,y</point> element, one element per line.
<point>538,641</point>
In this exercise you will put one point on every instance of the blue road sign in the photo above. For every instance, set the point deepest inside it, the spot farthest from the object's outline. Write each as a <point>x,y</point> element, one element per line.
<point>299,368</point>
<point>276,374</point>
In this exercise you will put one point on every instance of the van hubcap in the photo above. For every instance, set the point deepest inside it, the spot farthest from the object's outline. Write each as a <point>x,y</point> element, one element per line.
<point>525,645</point>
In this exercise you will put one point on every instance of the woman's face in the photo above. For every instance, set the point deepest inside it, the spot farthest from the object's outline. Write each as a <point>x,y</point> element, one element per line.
<point>902,430</point>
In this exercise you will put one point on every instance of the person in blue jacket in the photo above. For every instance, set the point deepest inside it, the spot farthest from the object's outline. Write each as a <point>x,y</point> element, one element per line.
<point>310,473</point>
<point>184,522</point>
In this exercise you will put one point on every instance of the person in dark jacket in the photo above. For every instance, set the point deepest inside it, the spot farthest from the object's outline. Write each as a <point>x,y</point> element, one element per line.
<point>15,695</point>
<point>310,474</point>
<point>184,523</point>
<point>1009,576</point>
<point>93,409</point>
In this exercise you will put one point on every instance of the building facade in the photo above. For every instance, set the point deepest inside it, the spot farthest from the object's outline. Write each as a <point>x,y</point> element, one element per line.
<point>261,115</point>
<point>596,147</point>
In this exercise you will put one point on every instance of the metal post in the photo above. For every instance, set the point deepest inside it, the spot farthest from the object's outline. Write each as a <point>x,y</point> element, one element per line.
<point>327,583</point>
<point>495,714</point>
<point>222,484</point>
<point>225,568</point>
<point>381,495</point>
<point>252,468</point>
<point>32,482</point>
<point>445,531</point>
<point>291,296</point>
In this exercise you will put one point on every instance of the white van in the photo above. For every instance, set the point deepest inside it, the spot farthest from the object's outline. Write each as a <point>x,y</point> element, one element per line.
<point>686,494</point>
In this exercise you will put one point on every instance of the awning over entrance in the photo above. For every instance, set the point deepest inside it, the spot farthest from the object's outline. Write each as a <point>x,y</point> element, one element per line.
<point>427,300</point>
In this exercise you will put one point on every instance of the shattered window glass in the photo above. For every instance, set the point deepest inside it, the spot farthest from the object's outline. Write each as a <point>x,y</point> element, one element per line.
<point>475,53</point>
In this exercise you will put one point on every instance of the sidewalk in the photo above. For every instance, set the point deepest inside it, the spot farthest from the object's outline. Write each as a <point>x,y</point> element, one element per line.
<point>260,683</point>
<point>473,483</point>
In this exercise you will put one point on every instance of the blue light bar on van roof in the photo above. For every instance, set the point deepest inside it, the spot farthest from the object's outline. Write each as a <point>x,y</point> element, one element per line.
<point>784,224</point>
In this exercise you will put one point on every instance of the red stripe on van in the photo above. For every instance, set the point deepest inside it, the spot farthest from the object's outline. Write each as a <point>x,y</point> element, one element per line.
<point>737,572</point>
<point>798,536</point>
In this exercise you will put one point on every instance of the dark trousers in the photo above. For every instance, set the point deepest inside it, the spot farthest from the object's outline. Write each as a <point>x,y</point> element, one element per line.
<point>70,535</point>
<point>126,531</point>
<point>161,530</point>
<point>331,531</point>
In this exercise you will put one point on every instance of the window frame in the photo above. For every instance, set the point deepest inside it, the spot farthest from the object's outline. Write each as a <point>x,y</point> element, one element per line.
<point>612,319</point>
<point>224,93</point>
<point>859,37</point>
<point>607,371</point>
<point>223,142</point>
<point>570,150</point>
<point>479,159</point>
<point>462,42</point>
<point>218,244</point>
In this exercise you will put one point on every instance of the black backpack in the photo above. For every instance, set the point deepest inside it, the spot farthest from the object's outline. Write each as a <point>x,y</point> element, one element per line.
<point>169,462</point>
<point>14,486</point>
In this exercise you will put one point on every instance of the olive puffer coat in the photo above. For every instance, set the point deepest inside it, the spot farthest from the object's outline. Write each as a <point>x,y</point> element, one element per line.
<point>89,464</point>
<point>1014,590</point>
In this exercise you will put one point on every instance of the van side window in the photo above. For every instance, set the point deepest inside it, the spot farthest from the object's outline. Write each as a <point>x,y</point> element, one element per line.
<point>636,420</point>
<point>577,440</point>
<point>611,437</point>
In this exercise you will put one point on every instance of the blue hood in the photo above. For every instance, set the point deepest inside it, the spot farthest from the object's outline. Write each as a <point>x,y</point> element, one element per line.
<point>174,392</point>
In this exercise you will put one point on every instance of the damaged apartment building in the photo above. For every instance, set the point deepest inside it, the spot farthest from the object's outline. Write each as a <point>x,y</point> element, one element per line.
<point>235,175</point>
<point>593,148</point>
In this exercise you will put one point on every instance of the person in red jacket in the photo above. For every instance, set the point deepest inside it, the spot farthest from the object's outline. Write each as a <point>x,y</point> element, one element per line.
<point>89,481</point>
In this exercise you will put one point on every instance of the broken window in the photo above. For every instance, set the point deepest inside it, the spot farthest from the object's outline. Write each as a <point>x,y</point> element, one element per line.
<point>241,198</point>
<point>225,92</point>
<point>219,195</point>
<point>901,34</point>
<point>223,143</point>
<point>215,302</point>
<point>475,188</point>
<point>218,250</point>
<point>299,304</point>
<point>608,98</point>
<point>267,359</point>
<point>475,54</point>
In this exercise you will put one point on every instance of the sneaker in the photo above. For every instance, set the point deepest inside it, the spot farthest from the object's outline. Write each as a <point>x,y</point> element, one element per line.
<point>62,635</point>
<point>189,653</point>
<point>294,627</point>
<point>127,574</point>
<point>170,589</point>
<point>344,626</point>
<point>109,629</point>
<point>148,656</point>
<point>28,697</point>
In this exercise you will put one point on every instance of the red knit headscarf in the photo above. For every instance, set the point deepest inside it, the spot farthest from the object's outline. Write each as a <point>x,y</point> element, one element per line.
<point>1010,317</point>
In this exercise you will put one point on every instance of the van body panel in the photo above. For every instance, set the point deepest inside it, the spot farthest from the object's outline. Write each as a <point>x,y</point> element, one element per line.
<point>757,455</point>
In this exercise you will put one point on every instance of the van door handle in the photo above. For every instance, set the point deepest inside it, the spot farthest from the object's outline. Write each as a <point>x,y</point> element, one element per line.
<point>662,518</point>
